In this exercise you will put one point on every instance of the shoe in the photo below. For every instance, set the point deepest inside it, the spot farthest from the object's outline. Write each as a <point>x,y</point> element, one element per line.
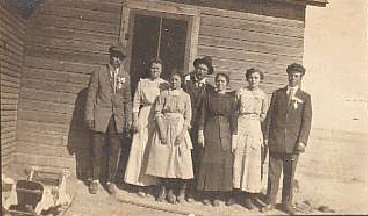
<point>171,197</point>
<point>230,202</point>
<point>142,194</point>
<point>93,187</point>
<point>111,188</point>
<point>249,204</point>
<point>267,208</point>
<point>162,195</point>
<point>288,210</point>
<point>215,203</point>
<point>181,196</point>
<point>206,202</point>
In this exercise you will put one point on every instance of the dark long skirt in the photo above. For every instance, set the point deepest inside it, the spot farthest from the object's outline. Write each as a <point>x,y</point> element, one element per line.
<point>216,167</point>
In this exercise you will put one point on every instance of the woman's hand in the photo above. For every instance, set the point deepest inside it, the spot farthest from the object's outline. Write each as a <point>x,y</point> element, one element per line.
<point>201,138</point>
<point>163,138</point>
<point>234,142</point>
<point>179,139</point>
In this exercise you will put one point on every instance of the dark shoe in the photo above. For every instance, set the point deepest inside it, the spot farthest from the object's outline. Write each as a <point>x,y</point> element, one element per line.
<point>171,196</point>
<point>230,202</point>
<point>288,210</point>
<point>249,204</point>
<point>93,187</point>
<point>162,195</point>
<point>111,188</point>
<point>206,202</point>
<point>215,203</point>
<point>267,208</point>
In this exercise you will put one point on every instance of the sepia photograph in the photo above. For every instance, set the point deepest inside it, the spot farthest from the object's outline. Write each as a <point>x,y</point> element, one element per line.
<point>184,107</point>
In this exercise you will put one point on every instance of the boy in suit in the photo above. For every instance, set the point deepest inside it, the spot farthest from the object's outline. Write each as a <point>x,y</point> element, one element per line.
<point>108,114</point>
<point>287,130</point>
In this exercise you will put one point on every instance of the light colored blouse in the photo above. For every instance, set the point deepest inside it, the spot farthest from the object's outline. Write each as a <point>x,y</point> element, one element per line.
<point>147,92</point>
<point>175,101</point>
<point>252,102</point>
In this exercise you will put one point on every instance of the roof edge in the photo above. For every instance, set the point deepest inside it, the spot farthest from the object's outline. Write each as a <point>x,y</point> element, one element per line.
<point>317,3</point>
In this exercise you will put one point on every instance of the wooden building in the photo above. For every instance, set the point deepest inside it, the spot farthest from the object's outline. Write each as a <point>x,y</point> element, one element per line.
<point>47,59</point>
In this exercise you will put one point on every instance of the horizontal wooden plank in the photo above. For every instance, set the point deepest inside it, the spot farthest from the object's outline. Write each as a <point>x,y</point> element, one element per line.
<point>8,124</point>
<point>42,127</point>
<point>260,14</point>
<point>93,5</point>
<point>66,55</point>
<point>51,96</point>
<point>6,118</point>
<point>44,117</point>
<point>50,64</point>
<point>11,19</point>
<point>6,80</point>
<point>274,49</point>
<point>249,55</point>
<point>52,86</point>
<point>46,139</point>
<point>9,101</point>
<point>45,106</point>
<point>60,76</point>
<point>10,61</point>
<point>244,64</point>
<point>66,44</point>
<point>251,36</point>
<point>44,150</point>
<point>7,95</point>
<point>256,26</point>
<point>9,113</point>
<point>69,11</point>
<point>28,160</point>
<point>92,26</point>
<point>10,107</point>
<point>12,42</point>
<point>10,73</point>
<point>8,67</point>
<point>72,34</point>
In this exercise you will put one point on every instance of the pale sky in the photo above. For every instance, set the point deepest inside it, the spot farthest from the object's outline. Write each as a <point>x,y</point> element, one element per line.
<point>336,61</point>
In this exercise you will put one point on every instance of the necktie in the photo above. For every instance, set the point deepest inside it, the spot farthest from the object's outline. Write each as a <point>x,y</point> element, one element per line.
<point>115,80</point>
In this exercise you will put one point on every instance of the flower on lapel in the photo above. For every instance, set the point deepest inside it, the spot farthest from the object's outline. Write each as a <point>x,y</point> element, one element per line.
<point>296,102</point>
<point>121,80</point>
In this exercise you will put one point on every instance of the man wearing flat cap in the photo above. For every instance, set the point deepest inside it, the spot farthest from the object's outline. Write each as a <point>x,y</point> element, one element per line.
<point>288,126</point>
<point>196,86</point>
<point>108,115</point>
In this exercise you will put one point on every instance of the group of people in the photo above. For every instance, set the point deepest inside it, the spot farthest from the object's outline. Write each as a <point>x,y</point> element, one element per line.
<point>197,141</point>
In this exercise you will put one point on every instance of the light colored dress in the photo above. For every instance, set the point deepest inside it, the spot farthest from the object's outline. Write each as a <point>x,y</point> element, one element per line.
<point>252,106</point>
<point>143,103</point>
<point>170,160</point>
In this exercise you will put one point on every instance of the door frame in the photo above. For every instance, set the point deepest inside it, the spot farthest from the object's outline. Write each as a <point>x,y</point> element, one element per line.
<point>162,9</point>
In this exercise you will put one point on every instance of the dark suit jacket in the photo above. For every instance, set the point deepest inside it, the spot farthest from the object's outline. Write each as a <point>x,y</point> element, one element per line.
<point>102,103</point>
<point>197,95</point>
<point>288,123</point>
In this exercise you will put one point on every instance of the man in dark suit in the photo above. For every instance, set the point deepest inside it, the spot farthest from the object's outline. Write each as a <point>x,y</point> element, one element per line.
<point>287,129</point>
<point>196,86</point>
<point>108,115</point>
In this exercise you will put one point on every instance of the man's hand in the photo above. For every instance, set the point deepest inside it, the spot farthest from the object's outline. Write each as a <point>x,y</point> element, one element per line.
<point>201,138</point>
<point>135,126</point>
<point>265,143</point>
<point>234,142</point>
<point>301,147</point>
<point>91,124</point>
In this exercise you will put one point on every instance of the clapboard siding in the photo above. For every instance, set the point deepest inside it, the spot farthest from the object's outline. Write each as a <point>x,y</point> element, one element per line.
<point>12,29</point>
<point>241,40</point>
<point>66,41</point>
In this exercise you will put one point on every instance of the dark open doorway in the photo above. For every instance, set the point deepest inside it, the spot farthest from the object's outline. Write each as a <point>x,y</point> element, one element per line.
<point>146,31</point>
